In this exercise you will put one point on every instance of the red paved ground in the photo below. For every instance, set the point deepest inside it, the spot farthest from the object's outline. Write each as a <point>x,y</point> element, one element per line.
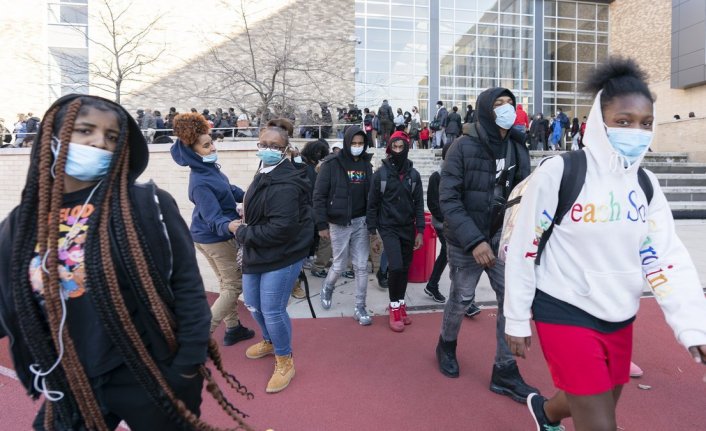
<point>368,378</point>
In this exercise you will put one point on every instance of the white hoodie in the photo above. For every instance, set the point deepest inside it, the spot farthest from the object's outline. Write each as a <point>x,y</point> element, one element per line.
<point>607,245</point>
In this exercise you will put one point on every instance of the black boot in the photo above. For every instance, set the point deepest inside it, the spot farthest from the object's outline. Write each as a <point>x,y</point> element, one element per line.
<point>446,356</point>
<point>238,333</point>
<point>382,279</point>
<point>506,380</point>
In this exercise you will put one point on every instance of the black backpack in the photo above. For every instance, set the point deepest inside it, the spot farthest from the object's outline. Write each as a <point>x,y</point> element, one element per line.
<point>572,181</point>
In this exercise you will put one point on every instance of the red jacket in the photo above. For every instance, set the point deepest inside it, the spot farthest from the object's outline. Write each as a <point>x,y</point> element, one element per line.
<point>424,134</point>
<point>521,118</point>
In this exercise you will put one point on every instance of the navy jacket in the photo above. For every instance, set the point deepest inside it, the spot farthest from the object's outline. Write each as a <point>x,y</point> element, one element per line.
<point>212,194</point>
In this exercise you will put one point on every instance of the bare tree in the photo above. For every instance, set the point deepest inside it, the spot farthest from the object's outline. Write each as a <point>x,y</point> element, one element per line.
<point>121,51</point>
<point>280,68</point>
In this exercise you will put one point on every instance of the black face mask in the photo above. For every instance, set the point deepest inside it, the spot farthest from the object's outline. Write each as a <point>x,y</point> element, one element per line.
<point>398,159</point>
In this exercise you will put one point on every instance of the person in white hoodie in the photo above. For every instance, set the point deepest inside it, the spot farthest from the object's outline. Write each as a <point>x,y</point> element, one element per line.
<point>609,243</point>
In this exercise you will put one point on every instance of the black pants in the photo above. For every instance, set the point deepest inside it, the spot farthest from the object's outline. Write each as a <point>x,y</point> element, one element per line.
<point>440,263</point>
<point>121,397</point>
<point>399,247</point>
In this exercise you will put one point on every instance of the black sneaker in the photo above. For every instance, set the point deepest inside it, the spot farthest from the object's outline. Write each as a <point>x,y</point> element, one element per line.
<point>535,404</point>
<point>348,274</point>
<point>472,310</point>
<point>239,333</point>
<point>321,273</point>
<point>435,294</point>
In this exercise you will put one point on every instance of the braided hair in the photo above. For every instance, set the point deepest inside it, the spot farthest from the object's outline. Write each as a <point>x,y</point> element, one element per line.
<point>113,235</point>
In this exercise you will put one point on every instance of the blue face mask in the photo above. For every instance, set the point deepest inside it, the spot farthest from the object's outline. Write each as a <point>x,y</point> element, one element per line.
<point>211,158</point>
<point>628,142</point>
<point>505,116</point>
<point>269,156</point>
<point>83,162</point>
<point>357,151</point>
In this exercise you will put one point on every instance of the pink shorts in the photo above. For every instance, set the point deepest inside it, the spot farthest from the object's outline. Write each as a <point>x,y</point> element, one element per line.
<point>583,361</point>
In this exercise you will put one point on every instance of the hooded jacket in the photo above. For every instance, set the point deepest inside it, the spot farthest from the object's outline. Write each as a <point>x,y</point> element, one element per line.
<point>468,175</point>
<point>401,204</point>
<point>610,244</point>
<point>333,201</point>
<point>211,193</point>
<point>278,228</point>
<point>168,242</point>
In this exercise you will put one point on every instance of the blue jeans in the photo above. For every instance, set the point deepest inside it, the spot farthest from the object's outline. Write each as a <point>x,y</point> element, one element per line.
<point>266,296</point>
<point>465,273</point>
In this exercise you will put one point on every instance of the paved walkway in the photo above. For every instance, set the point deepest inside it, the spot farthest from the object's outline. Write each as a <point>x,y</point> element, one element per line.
<point>691,232</point>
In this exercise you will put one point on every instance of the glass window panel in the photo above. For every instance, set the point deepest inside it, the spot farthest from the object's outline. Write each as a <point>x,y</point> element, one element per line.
<point>73,14</point>
<point>586,37</point>
<point>527,20</point>
<point>403,24</point>
<point>446,81</point>
<point>421,41</point>
<point>602,11</point>
<point>566,35</point>
<point>377,39</point>
<point>509,32</point>
<point>510,19</point>
<point>401,61</point>
<point>466,64</point>
<point>566,103</point>
<point>360,22</point>
<point>527,48</point>
<point>487,82</point>
<point>466,45</point>
<point>565,71</point>
<point>359,8</point>
<point>549,22</point>
<point>466,16</point>
<point>378,9</point>
<point>487,66</point>
<point>401,40</point>
<point>378,61</point>
<point>586,52</point>
<point>549,8</point>
<point>566,86</point>
<point>567,24</point>
<point>489,18</point>
<point>586,11</point>
<point>447,3</point>
<point>510,47</point>
<point>422,24</point>
<point>509,68</point>
<point>528,33</point>
<point>360,59</point>
<point>447,65</point>
<point>549,85</point>
<point>586,25</point>
<point>527,7</point>
<point>601,53</point>
<point>550,50</point>
<point>446,43</point>
<point>566,51</point>
<point>377,78</point>
<point>511,6</point>
<point>550,35</point>
<point>583,71</point>
<point>379,22</point>
<point>489,30</point>
<point>422,2</point>
<point>567,9</point>
<point>420,63</point>
<point>463,82</point>
<point>602,26</point>
<point>488,45</point>
<point>464,28</point>
<point>446,26</point>
<point>421,12</point>
<point>602,39</point>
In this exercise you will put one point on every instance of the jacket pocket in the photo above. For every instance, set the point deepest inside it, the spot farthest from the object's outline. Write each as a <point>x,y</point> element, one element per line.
<point>620,288</point>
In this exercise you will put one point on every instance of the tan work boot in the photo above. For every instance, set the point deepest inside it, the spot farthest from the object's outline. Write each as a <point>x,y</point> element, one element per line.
<point>284,373</point>
<point>298,292</point>
<point>260,350</point>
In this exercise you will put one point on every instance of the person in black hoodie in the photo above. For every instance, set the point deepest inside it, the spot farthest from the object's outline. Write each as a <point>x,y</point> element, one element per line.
<point>340,205</point>
<point>479,172</point>
<point>275,237</point>
<point>100,292</point>
<point>212,221</point>
<point>395,207</point>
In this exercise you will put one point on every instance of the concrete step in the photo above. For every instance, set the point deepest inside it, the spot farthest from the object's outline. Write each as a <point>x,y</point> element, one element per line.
<point>661,157</point>
<point>685,194</point>
<point>688,210</point>
<point>682,180</point>
<point>675,168</point>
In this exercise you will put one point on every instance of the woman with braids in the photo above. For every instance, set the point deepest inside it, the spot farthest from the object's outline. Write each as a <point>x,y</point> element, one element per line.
<point>618,235</point>
<point>101,320</point>
<point>275,235</point>
<point>213,219</point>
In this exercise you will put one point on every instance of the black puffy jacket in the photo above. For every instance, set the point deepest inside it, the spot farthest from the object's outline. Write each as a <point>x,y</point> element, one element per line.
<point>468,176</point>
<point>401,204</point>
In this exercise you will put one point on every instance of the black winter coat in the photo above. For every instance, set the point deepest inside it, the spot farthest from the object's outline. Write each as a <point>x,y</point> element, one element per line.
<point>402,204</point>
<point>278,229</point>
<point>468,177</point>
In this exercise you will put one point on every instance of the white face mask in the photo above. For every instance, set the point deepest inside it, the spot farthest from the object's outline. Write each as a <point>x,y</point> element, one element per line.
<point>357,151</point>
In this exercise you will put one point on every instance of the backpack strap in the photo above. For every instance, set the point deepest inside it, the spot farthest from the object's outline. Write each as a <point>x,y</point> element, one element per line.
<point>383,178</point>
<point>645,184</point>
<point>572,180</point>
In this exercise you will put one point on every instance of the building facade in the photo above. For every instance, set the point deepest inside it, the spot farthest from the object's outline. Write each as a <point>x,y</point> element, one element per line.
<point>411,52</point>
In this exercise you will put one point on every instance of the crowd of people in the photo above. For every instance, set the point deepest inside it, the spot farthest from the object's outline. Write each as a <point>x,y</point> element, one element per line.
<point>101,295</point>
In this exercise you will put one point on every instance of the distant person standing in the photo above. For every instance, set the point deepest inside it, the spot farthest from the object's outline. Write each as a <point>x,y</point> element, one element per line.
<point>575,134</point>
<point>440,120</point>
<point>453,125</point>
<point>470,114</point>
<point>522,121</point>
<point>565,124</point>
<point>538,133</point>
<point>386,120</point>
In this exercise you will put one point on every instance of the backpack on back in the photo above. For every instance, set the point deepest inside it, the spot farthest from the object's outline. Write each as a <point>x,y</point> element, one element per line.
<point>572,181</point>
